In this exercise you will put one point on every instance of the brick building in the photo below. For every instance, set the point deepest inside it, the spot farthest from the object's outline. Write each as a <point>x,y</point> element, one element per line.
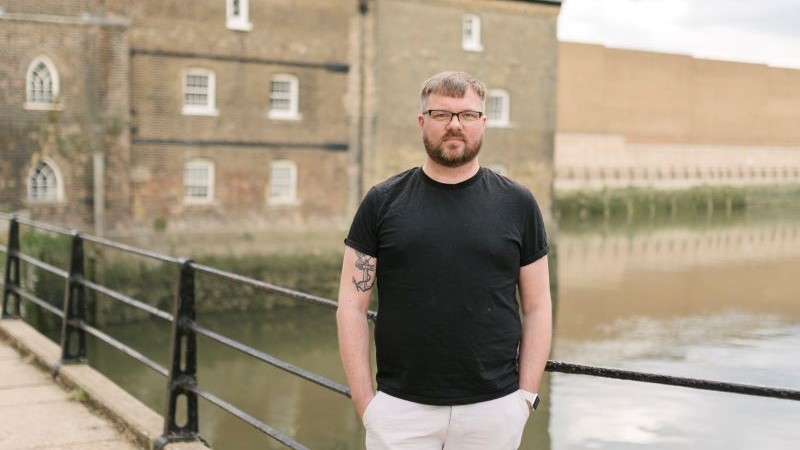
<point>63,115</point>
<point>510,45</point>
<point>214,115</point>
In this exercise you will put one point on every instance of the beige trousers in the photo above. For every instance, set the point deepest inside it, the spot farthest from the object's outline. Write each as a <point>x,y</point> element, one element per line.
<point>395,424</point>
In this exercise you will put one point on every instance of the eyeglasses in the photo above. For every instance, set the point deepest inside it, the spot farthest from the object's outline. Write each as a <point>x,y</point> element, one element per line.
<point>442,116</point>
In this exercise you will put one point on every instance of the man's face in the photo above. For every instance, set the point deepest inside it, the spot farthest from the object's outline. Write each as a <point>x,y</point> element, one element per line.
<point>452,144</point>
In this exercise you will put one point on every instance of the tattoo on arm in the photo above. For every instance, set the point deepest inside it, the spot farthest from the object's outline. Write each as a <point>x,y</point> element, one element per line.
<point>366,264</point>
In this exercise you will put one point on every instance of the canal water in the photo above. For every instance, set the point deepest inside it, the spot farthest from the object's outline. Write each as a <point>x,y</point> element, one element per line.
<point>715,298</point>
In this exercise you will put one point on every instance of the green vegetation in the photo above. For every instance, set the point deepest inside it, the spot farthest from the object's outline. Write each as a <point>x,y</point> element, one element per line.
<point>637,203</point>
<point>632,207</point>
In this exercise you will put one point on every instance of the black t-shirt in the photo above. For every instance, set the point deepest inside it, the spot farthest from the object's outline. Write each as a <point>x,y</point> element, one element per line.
<point>449,256</point>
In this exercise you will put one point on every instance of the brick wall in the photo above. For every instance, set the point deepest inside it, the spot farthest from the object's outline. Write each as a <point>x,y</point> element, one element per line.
<point>299,38</point>
<point>519,56</point>
<point>90,117</point>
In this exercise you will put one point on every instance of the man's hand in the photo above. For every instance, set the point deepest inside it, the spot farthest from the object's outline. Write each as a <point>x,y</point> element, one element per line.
<point>361,404</point>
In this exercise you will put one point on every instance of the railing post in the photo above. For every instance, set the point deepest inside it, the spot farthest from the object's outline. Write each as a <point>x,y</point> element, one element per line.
<point>183,367</point>
<point>12,276</point>
<point>73,338</point>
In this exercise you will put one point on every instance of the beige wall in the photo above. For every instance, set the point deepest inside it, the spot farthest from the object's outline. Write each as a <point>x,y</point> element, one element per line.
<point>655,97</point>
<point>632,118</point>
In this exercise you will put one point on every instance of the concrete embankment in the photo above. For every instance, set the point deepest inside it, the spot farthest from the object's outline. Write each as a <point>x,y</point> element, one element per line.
<point>35,412</point>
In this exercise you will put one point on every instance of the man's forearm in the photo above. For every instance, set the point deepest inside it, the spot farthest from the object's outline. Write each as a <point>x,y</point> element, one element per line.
<point>354,351</point>
<point>534,347</point>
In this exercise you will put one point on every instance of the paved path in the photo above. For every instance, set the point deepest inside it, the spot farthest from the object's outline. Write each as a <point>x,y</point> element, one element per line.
<point>36,413</point>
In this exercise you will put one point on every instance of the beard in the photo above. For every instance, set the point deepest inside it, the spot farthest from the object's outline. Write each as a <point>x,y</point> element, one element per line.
<point>444,153</point>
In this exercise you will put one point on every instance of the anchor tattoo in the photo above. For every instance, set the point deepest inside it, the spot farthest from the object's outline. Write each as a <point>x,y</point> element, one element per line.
<point>366,264</point>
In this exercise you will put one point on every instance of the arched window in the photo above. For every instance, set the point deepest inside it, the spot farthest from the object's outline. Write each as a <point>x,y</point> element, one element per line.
<point>41,85</point>
<point>44,183</point>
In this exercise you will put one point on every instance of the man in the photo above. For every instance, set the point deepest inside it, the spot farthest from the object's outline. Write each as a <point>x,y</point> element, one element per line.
<point>448,244</point>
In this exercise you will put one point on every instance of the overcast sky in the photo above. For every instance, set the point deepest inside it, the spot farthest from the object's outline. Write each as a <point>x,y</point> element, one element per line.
<point>759,31</point>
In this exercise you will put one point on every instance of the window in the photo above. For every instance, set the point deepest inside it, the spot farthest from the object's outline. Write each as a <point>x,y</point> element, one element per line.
<point>498,108</point>
<point>471,33</point>
<point>239,15</point>
<point>42,87</point>
<point>198,182</point>
<point>283,97</point>
<point>44,183</point>
<point>199,92</point>
<point>283,183</point>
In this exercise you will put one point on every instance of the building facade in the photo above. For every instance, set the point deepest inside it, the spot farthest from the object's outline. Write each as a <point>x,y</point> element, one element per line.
<point>64,142</point>
<point>511,46</point>
<point>240,115</point>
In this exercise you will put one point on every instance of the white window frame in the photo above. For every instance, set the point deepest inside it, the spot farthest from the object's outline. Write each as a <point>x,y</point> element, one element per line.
<point>501,117</point>
<point>208,183</point>
<point>55,86</point>
<point>293,96</point>
<point>289,195</point>
<point>210,108</point>
<point>55,193</point>
<point>471,33</point>
<point>240,22</point>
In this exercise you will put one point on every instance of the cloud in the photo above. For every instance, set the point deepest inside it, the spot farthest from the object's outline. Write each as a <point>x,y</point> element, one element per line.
<point>764,32</point>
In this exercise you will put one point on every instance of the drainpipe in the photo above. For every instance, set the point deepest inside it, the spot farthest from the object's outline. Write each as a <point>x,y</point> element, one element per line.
<point>356,160</point>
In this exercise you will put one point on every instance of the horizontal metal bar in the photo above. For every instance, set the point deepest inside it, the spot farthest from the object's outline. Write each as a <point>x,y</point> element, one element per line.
<point>130,249</point>
<point>308,298</point>
<point>126,299</point>
<point>269,359</point>
<point>41,264</point>
<point>45,226</point>
<point>250,420</point>
<point>693,383</point>
<point>123,348</point>
<point>36,300</point>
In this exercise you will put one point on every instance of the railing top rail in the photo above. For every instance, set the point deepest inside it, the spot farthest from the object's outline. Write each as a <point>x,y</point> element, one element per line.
<point>44,226</point>
<point>308,298</point>
<point>669,380</point>
<point>298,295</point>
<point>131,249</point>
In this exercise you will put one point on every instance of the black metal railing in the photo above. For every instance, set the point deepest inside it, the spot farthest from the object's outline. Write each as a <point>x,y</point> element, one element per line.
<point>181,374</point>
<point>182,386</point>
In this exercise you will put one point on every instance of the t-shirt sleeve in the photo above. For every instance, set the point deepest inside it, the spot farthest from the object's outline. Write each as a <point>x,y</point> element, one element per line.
<point>363,235</point>
<point>534,236</point>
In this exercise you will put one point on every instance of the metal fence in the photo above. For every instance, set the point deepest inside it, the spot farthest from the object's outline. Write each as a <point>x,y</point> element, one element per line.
<point>182,386</point>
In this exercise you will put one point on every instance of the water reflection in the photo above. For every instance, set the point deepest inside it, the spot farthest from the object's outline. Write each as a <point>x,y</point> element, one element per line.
<point>709,301</point>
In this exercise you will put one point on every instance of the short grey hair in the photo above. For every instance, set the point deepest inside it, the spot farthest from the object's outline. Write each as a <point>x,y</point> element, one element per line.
<point>451,84</point>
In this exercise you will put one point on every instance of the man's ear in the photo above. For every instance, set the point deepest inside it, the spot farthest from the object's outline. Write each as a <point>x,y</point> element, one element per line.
<point>421,120</point>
